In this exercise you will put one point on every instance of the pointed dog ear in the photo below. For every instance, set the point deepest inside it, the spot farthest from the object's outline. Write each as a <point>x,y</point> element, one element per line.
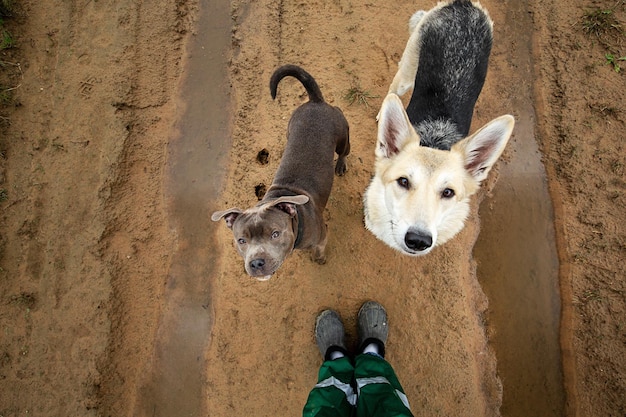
<point>481,150</point>
<point>288,203</point>
<point>394,127</point>
<point>229,215</point>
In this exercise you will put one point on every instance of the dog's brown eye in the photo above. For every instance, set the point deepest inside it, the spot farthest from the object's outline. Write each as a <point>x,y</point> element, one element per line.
<point>241,241</point>
<point>447,193</point>
<point>403,182</point>
<point>275,234</point>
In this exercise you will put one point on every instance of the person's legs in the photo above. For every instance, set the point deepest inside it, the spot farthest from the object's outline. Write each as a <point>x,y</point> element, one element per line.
<point>379,391</point>
<point>333,396</point>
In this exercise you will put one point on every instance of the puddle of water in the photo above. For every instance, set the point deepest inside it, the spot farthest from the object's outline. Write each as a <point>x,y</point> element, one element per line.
<point>518,270</point>
<point>518,262</point>
<point>175,384</point>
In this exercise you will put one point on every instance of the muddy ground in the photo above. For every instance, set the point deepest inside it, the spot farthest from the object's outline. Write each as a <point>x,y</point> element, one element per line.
<point>108,270</point>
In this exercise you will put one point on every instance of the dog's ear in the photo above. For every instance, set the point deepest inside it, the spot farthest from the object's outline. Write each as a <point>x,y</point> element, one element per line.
<point>229,216</point>
<point>483,148</point>
<point>288,203</point>
<point>394,127</point>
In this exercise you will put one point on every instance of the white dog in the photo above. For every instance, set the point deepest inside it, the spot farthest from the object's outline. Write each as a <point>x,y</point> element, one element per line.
<point>426,167</point>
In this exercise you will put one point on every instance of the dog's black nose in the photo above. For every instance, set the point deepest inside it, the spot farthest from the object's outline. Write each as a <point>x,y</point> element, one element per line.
<point>257,264</point>
<point>417,241</point>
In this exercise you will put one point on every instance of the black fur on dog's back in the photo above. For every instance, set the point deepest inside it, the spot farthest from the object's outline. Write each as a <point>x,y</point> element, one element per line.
<point>309,83</point>
<point>455,45</point>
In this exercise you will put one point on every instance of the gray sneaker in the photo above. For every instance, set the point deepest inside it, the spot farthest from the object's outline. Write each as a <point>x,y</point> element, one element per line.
<point>373,326</point>
<point>329,333</point>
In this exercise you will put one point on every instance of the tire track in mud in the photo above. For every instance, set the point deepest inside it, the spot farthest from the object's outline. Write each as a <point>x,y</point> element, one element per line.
<point>521,281</point>
<point>544,21</point>
<point>137,243</point>
<point>175,381</point>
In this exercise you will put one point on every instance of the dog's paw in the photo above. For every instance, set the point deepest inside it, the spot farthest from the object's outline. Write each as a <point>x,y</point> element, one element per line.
<point>318,255</point>
<point>341,167</point>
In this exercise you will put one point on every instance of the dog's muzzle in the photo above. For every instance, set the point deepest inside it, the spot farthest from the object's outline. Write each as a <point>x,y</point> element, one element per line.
<point>261,268</point>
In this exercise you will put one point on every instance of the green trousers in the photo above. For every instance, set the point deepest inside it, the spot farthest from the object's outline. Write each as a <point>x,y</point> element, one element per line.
<point>369,388</point>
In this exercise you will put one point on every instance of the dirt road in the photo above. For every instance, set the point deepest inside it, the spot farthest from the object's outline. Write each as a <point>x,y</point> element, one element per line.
<point>118,296</point>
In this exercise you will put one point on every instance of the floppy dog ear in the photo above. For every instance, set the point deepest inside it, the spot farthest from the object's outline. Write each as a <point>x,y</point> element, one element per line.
<point>483,148</point>
<point>288,203</point>
<point>229,215</point>
<point>394,127</point>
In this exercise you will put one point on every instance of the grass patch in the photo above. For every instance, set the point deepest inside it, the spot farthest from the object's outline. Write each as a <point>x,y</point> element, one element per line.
<point>356,94</point>
<point>603,25</point>
<point>5,96</point>
<point>600,23</point>
<point>6,7</point>
<point>10,72</point>
<point>6,10</point>
<point>6,39</point>
<point>614,61</point>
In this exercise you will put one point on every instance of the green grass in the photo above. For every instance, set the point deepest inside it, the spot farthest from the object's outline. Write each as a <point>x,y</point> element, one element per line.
<point>613,60</point>
<point>603,25</point>
<point>5,96</point>
<point>6,7</point>
<point>9,72</point>
<point>356,94</point>
<point>600,22</point>
<point>6,39</point>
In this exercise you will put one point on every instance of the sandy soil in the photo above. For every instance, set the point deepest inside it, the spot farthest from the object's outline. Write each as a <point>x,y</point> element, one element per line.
<point>87,238</point>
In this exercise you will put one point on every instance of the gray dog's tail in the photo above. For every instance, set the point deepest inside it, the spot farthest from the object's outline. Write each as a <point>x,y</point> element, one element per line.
<point>315,94</point>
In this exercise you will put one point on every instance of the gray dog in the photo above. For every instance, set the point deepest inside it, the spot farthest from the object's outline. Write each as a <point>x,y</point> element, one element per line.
<point>290,216</point>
